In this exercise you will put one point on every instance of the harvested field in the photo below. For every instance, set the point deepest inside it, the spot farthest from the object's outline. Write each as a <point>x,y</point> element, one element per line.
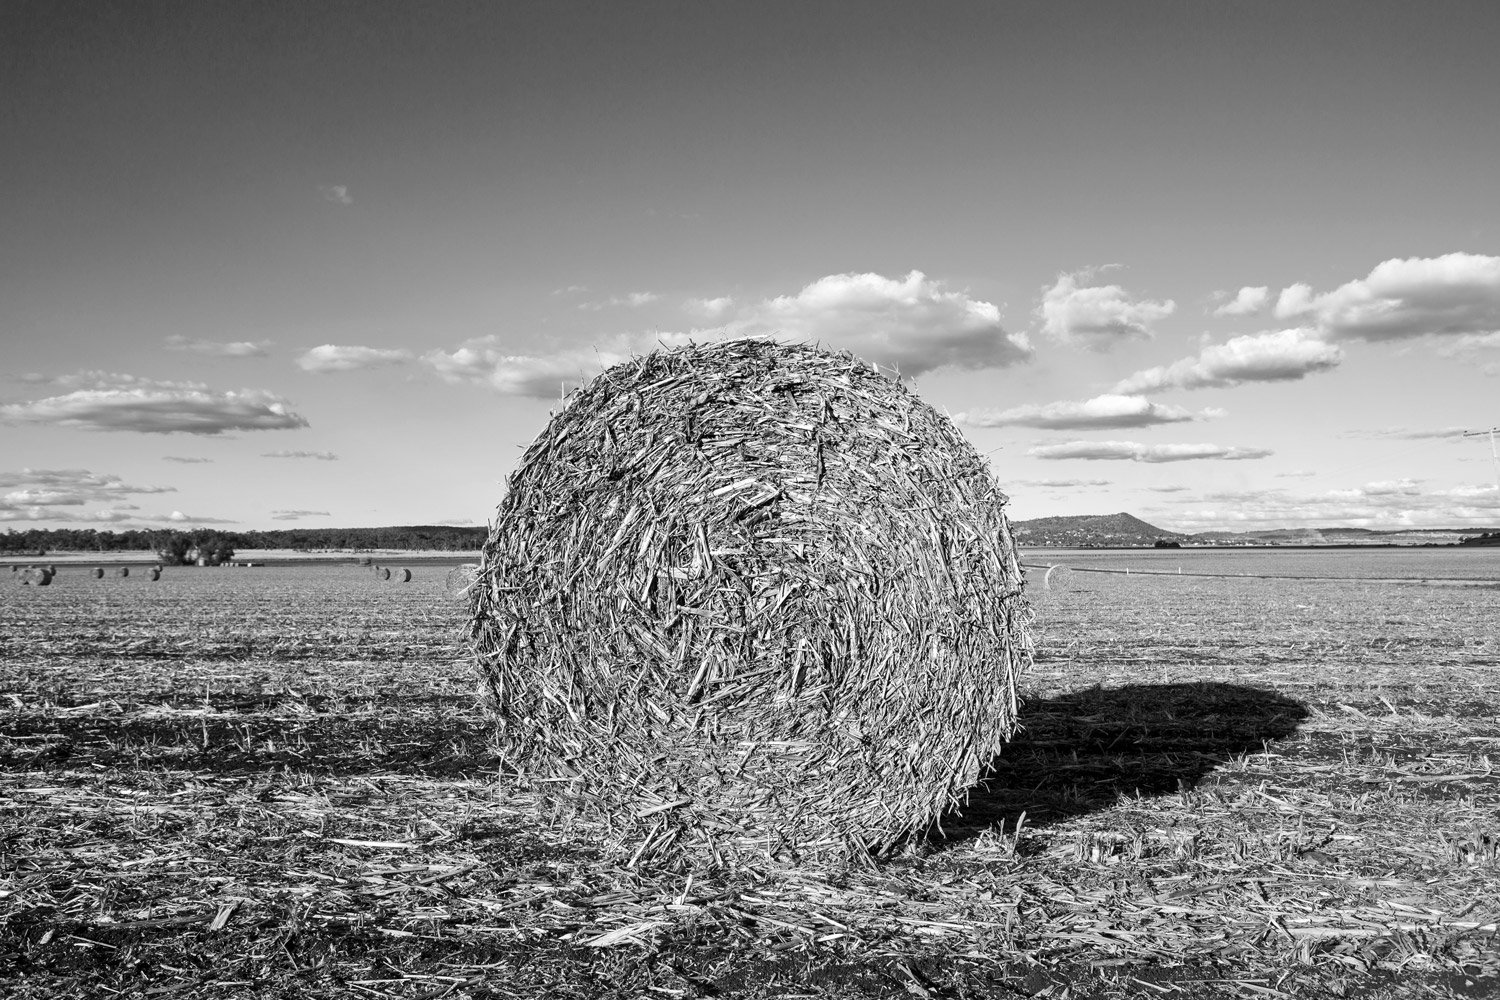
<point>277,782</point>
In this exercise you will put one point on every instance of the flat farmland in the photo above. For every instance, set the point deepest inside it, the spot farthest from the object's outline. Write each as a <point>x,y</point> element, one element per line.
<point>276,781</point>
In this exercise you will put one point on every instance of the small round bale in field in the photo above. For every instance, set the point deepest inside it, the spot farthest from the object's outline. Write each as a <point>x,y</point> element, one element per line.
<point>750,599</point>
<point>36,576</point>
<point>403,575</point>
<point>98,572</point>
<point>153,574</point>
<point>385,574</point>
<point>123,571</point>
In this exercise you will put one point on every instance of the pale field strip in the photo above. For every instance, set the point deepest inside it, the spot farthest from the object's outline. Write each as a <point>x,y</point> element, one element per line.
<point>242,753</point>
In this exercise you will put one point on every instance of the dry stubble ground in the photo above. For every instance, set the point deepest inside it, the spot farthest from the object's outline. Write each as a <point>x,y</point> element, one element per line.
<point>275,782</point>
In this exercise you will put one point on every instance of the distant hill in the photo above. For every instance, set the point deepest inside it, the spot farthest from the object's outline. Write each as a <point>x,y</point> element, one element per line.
<point>1127,529</point>
<point>1091,529</point>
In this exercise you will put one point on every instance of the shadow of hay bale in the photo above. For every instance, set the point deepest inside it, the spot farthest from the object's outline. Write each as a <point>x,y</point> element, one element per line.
<point>1078,752</point>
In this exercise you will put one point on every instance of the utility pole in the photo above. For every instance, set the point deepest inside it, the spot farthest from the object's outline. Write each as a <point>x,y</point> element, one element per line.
<point>1493,453</point>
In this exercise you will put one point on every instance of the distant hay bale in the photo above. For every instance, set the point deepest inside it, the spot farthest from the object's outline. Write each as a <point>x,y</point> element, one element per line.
<point>153,574</point>
<point>365,561</point>
<point>123,571</point>
<point>750,599</point>
<point>403,576</point>
<point>459,580</point>
<point>36,576</point>
<point>98,572</point>
<point>385,574</point>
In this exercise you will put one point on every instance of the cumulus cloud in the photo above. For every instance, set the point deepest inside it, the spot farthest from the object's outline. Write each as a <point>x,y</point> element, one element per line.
<point>1096,317</point>
<point>1455,295</point>
<point>106,380</point>
<point>85,486</point>
<point>1135,452</point>
<point>1099,412</point>
<point>913,324</point>
<point>1061,484</point>
<point>159,408</point>
<point>631,299</point>
<point>327,358</point>
<point>296,515</point>
<point>483,361</point>
<point>178,517</point>
<point>1246,302</point>
<point>322,456</point>
<point>1282,356</point>
<point>235,349</point>
<point>1412,434</point>
<point>1388,505</point>
<point>709,308</point>
<point>15,513</point>
<point>336,193</point>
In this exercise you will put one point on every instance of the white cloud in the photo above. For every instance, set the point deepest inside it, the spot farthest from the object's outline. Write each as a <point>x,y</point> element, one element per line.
<point>1059,484</point>
<point>86,486</point>
<point>1096,317</point>
<point>111,516</point>
<point>912,324</point>
<point>1410,434</point>
<point>1388,505</point>
<point>322,456</point>
<point>632,299</point>
<point>235,349</point>
<point>1455,295</point>
<point>709,308</point>
<point>1135,452</point>
<point>185,461</point>
<point>107,380</point>
<point>483,361</point>
<point>1294,300</point>
<point>1282,356</point>
<point>161,408</point>
<point>1099,412</point>
<point>336,193</point>
<point>347,358</point>
<point>295,515</point>
<point>178,517</point>
<point>1167,489</point>
<point>1246,303</point>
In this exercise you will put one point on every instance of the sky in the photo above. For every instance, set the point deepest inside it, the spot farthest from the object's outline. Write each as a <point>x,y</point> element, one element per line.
<point>267,265</point>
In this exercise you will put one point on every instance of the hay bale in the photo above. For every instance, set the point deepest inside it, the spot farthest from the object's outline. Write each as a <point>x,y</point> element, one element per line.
<point>385,574</point>
<point>403,576</point>
<point>460,579</point>
<point>153,574</point>
<point>36,576</point>
<point>123,571</point>
<point>98,572</point>
<point>750,598</point>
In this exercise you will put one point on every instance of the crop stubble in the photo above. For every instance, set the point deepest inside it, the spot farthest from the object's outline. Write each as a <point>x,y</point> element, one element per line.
<point>280,778</point>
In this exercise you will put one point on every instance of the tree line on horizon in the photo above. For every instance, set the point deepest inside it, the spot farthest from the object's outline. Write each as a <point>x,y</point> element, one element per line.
<point>38,541</point>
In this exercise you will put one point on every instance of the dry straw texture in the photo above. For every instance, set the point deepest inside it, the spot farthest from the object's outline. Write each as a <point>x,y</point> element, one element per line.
<point>750,599</point>
<point>403,575</point>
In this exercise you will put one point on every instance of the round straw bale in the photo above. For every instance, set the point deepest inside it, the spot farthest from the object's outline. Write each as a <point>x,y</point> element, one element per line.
<point>458,581</point>
<point>385,574</point>
<point>750,598</point>
<point>98,572</point>
<point>36,576</point>
<point>153,574</point>
<point>403,575</point>
<point>123,571</point>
